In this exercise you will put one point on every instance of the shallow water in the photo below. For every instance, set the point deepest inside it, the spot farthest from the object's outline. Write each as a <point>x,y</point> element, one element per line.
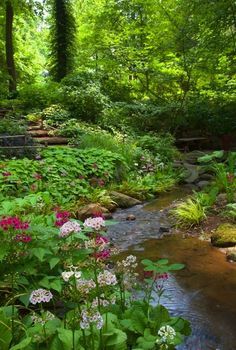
<point>204,292</point>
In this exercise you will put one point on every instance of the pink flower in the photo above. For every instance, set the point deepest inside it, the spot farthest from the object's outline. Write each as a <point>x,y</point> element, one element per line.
<point>94,223</point>
<point>68,228</point>
<point>13,223</point>
<point>61,218</point>
<point>105,254</point>
<point>40,296</point>
<point>6,173</point>
<point>37,176</point>
<point>102,240</point>
<point>23,238</point>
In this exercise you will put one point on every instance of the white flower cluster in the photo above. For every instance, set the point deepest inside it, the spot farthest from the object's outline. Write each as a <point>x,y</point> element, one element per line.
<point>107,278</point>
<point>90,244</point>
<point>103,302</point>
<point>66,275</point>
<point>167,333</point>
<point>129,262</point>
<point>84,286</point>
<point>91,317</point>
<point>95,223</point>
<point>68,228</point>
<point>40,296</point>
<point>48,316</point>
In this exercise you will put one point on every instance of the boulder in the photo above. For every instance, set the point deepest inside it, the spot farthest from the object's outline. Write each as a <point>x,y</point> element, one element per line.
<point>193,173</point>
<point>90,210</point>
<point>206,176</point>
<point>123,201</point>
<point>224,236</point>
<point>231,255</point>
<point>202,184</point>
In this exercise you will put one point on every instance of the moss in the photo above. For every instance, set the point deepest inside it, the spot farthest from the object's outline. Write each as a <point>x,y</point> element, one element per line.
<point>224,236</point>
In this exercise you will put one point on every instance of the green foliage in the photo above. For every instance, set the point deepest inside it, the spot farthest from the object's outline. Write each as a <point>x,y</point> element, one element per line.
<point>12,126</point>
<point>52,261</point>
<point>211,157</point>
<point>54,115</point>
<point>63,30</point>
<point>230,211</point>
<point>159,145</point>
<point>65,173</point>
<point>38,96</point>
<point>83,97</point>
<point>189,213</point>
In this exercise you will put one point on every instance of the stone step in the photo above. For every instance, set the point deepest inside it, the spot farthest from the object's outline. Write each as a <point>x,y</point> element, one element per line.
<point>53,140</point>
<point>38,133</point>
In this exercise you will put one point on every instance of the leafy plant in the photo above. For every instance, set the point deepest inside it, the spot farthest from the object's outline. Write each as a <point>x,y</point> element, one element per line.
<point>93,304</point>
<point>189,213</point>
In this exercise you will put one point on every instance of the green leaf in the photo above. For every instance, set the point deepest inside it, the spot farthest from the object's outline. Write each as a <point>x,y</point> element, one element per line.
<point>117,341</point>
<point>3,251</point>
<point>146,262</point>
<point>162,262</point>
<point>176,267</point>
<point>39,253</point>
<point>53,262</point>
<point>22,344</point>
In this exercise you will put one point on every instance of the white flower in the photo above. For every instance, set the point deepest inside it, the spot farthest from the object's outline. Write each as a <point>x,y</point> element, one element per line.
<point>40,296</point>
<point>95,223</point>
<point>166,333</point>
<point>107,278</point>
<point>130,261</point>
<point>68,228</point>
<point>84,286</point>
<point>66,275</point>
<point>88,317</point>
<point>48,316</point>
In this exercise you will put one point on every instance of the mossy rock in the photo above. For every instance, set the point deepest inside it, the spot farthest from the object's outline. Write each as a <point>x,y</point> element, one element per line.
<point>224,236</point>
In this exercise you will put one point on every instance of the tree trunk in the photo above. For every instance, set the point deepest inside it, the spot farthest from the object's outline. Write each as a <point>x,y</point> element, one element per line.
<point>9,47</point>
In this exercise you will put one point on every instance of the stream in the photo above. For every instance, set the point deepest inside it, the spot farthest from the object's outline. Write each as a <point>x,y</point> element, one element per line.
<point>204,292</point>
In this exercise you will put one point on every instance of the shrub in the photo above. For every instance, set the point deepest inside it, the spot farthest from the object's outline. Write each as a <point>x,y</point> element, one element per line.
<point>54,115</point>
<point>12,126</point>
<point>83,98</point>
<point>38,95</point>
<point>189,213</point>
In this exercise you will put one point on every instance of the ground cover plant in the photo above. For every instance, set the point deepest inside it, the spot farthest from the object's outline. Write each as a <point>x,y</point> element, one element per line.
<point>61,288</point>
<point>195,209</point>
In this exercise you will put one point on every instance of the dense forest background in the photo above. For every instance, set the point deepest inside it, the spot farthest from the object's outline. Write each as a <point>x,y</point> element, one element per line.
<point>128,64</point>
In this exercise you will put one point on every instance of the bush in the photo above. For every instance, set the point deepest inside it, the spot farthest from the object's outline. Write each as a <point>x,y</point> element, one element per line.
<point>38,96</point>
<point>159,145</point>
<point>12,126</point>
<point>83,97</point>
<point>55,115</point>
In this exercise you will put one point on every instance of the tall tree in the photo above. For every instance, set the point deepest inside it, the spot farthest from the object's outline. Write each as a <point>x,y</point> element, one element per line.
<point>63,34</point>
<point>9,47</point>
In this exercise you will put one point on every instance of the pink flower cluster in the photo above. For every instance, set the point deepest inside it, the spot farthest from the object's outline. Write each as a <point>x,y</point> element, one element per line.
<point>68,228</point>
<point>40,296</point>
<point>13,222</point>
<point>61,218</point>
<point>23,238</point>
<point>102,242</point>
<point>6,173</point>
<point>37,176</point>
<point>94,223</point>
